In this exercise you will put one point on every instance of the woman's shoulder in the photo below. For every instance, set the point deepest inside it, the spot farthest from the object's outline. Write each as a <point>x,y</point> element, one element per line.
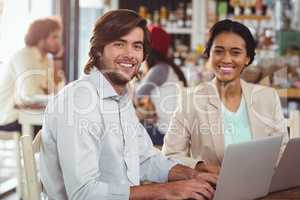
<point>199,94</point>
<point>257,88</point>
<point>205,88</point>
<point>260,94</point>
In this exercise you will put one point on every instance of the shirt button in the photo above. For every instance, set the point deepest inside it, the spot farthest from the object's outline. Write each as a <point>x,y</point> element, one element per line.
<point>126,153</point>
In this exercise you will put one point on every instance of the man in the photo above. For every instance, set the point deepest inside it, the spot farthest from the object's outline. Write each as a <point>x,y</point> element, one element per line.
<point>93,144</point>
<point>29,76</point>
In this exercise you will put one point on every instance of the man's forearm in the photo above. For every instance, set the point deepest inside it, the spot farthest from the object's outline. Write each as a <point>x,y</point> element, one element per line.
<point>195,188</point>
<point>181,172</point>
<point>151,191</point>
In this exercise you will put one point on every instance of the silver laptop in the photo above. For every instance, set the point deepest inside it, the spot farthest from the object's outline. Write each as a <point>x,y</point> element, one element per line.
<point>247,169</point>
<point>287,174</point>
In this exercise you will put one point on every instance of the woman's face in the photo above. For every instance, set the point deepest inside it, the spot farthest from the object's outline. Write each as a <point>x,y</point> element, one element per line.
<point>228,56</point>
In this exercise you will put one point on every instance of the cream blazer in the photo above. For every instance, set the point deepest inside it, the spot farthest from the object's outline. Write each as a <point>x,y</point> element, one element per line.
<point>196,133</point>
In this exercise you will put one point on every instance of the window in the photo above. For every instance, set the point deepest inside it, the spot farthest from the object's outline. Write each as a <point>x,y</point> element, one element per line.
<point>89,11</point>
<point>15,17</point>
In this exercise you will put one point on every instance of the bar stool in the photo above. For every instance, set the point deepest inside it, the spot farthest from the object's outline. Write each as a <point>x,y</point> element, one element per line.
<point>5,135</point>
<point>29,149</point>
<point>293,123</point>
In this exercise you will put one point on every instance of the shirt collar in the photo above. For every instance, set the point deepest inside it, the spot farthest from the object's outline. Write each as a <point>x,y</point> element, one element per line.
<point>104,87</point>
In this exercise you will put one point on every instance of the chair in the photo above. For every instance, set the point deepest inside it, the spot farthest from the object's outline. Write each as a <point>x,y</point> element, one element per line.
<point>33,185</point>
<point>293,123</point>
<point>5,135</point>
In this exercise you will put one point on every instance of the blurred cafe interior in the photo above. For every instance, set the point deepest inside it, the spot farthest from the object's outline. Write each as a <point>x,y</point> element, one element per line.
<point>275,25</point>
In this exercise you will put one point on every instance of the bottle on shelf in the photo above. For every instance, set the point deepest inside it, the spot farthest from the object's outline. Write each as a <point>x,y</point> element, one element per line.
<point>236,7</point>
<point>149,18</point>
<point>189,15</point>
<point>142,11</point>
<point>180,15</point>
<point>156,18</point>
<point>258,7</point>
<point>163,16</point>
<point>171,23</point>
<point>247,4</point>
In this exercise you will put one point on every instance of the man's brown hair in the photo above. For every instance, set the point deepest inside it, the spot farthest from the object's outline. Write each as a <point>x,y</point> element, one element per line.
<point>111,27</point>
<point>40,29</point>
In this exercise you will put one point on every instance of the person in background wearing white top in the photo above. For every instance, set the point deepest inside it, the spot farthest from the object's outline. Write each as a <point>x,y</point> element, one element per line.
<point>226,110</point>
<point>161,84</point>
<point>93,144</point>
<point>30,75</point>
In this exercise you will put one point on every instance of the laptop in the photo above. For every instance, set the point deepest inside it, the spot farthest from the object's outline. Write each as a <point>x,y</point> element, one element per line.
<point>247,169</point>
<point>287,174</point>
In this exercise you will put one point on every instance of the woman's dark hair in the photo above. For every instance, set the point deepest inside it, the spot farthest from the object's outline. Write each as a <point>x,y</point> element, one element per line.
<point>111,27</point>
<point>155,57</point>
<point>232,27</point>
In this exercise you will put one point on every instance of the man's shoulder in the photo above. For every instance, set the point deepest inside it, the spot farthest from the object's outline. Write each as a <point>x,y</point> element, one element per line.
<point>24,55</point>
<point>69,90</point>
<point>24,51</point>
<point>79,93</point>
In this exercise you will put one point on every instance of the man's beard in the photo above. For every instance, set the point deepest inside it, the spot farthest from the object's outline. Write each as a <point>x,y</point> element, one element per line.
<point>113,75</point>
<point>116,78</point>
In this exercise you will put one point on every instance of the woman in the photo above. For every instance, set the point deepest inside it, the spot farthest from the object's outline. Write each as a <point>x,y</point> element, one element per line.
<point>226,110</point>
<point>160,85</point>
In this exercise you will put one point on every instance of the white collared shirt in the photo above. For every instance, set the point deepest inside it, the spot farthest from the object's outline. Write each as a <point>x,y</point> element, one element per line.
<point>94,146</point>
<point>22,79</point>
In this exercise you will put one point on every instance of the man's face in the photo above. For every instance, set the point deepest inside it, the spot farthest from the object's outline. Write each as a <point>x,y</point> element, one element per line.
<point>52,44</point>
<point>121,59</point>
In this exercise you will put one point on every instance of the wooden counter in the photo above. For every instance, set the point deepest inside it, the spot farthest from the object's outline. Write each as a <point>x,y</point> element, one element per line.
<point>291,194</point>
<point>290,93</point>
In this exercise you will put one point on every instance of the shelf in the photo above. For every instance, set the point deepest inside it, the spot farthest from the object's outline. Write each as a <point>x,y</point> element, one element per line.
<point>179,30</point>
<point>292,93</point>
<point>252,17</point>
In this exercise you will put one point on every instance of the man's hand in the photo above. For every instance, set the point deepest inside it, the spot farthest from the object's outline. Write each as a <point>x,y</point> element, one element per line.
<point>202,167</point>
<point>181,172</point>
<point>187,183</point>
<point>59,52</point>
<point>59,76</point>
<point>195,188</point>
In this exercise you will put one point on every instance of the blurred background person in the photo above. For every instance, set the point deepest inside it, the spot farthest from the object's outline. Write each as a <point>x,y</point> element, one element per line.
<point>31,75</point>
<point>156,95</point>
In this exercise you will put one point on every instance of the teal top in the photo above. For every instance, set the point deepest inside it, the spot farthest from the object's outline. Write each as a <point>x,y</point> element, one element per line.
<point>236,124</point>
